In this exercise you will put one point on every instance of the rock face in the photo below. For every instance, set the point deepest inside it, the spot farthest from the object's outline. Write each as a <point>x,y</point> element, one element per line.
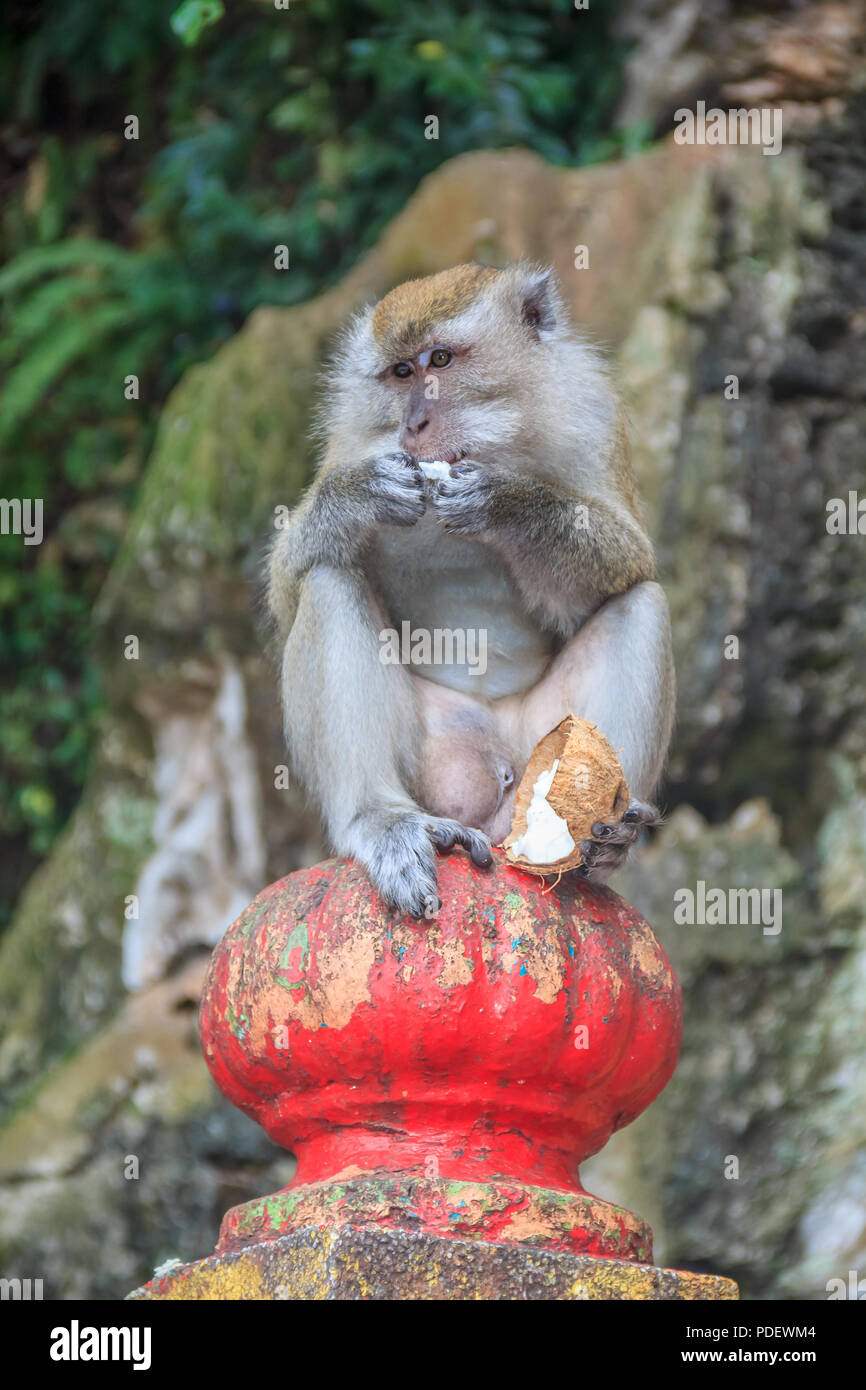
<point>706,264</point>
<point>761,53</point>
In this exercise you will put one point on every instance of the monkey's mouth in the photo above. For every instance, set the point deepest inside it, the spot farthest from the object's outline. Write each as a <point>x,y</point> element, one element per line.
<point>452,457</point>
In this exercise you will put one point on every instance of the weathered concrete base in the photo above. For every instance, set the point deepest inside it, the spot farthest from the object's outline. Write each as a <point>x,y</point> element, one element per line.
<point>351,1264</point>
<point>500,1211</point>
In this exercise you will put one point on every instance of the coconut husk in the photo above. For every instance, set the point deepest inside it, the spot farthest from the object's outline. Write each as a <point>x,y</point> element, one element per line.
<point>589,786</point>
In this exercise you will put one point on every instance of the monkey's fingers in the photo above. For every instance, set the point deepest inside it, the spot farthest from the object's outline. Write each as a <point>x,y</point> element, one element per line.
<point>462,500</point>
<point>402,459</point>
<point>479,849</point>
<point>608,849</point>
<point>411,893</point>
<point>445,834</point>
<point>600,860</point>
<point>617,833</point>
<point>397,488</point>
<point>626,830</point>
<point>402,865</point>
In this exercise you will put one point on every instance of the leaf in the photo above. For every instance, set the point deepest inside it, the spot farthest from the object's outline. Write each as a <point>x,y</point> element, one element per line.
<point>37,803</point>
<point>32,377</point>
<point>38,313</point>
<point>191,19</point>
<point>78,252</point>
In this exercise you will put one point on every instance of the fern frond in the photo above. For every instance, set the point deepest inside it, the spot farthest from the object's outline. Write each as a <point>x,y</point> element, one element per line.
<point>79,252</point>
<point>37,313</point>
<point>40,368</point>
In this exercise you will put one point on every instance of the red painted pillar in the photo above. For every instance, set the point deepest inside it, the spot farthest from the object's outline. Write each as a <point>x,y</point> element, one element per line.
<point>445,1078</point>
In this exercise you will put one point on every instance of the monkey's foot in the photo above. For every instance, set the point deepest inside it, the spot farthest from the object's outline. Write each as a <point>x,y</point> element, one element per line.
<point>401,860</point>
<point>608,849</point>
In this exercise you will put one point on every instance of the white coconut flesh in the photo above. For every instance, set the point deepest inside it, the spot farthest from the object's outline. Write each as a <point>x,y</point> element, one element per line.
<point>546,838</point>
<point>434,468</point>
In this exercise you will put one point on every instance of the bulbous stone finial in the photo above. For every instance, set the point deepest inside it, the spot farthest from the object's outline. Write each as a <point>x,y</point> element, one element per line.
<point>444,1077</point>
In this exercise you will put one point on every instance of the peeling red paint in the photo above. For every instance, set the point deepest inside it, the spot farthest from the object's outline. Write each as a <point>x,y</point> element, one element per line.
<point>379,1045</point>
<point>497,1210</point>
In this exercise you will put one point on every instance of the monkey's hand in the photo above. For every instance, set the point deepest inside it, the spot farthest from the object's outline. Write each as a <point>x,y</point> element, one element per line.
<point>397,488</point>
<point>399,853</point>
<point>611,841</point>
<point>464,501</point>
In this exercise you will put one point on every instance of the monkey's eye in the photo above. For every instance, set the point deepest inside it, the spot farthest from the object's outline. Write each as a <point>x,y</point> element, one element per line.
<point>440,357</point>
<point>402,370</point>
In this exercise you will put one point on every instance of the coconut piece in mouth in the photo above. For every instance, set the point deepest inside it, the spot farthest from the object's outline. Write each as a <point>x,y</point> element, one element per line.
<point>435,468</point>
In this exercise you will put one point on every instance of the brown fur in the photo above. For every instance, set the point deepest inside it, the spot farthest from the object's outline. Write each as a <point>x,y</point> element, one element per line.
<point>404,318</point>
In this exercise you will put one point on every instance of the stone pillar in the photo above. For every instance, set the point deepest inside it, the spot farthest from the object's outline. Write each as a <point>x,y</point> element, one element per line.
<point>440,1083</point>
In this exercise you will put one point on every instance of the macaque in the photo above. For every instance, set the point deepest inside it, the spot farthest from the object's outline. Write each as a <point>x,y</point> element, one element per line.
<point>533,537</point>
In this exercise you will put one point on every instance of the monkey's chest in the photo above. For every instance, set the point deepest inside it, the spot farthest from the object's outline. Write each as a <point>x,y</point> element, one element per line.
<point>455,614</point>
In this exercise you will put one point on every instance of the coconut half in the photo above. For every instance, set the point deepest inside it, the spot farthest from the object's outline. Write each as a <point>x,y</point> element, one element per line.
<point>577,773</point>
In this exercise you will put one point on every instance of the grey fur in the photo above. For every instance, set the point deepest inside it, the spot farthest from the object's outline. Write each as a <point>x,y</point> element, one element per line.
<point>553,555</point>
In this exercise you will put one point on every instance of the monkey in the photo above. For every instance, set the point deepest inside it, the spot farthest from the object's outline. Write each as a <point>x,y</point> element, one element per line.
<point>533,534</point>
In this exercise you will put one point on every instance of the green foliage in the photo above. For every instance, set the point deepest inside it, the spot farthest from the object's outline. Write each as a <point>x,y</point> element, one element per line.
<point>191,19</point>
<point>258,127</point>
<point>48,713</point>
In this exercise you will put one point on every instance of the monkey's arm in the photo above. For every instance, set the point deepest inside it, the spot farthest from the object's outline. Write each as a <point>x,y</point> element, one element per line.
<point>567,554</point>
<point>332,524</point>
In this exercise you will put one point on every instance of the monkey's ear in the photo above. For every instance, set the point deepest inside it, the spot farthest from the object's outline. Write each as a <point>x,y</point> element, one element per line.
<point>538,298</point>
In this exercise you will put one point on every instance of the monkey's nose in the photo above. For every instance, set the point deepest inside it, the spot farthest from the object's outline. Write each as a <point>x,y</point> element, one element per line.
<point>413,440</point>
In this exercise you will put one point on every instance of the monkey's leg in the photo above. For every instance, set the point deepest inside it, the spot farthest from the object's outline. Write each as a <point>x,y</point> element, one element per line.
<point>617,671</point>
<point>353,730</point>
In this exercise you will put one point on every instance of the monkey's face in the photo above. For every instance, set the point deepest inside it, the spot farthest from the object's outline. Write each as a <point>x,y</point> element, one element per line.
<point>432,391</point>
<point>451,364</point>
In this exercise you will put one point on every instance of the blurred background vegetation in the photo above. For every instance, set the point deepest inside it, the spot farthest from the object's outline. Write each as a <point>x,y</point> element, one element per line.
<point>150,253</point>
